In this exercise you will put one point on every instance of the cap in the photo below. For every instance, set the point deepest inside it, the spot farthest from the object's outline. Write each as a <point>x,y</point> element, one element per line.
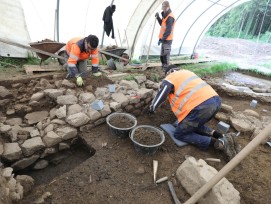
<point>165,3</point>
<point>171,68</point>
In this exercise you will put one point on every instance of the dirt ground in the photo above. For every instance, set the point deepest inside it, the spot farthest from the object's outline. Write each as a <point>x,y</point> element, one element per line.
<point>116,173</point>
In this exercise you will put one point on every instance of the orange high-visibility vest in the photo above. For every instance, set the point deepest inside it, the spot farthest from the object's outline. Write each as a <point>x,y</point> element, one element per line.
<point>189,91</point>
<point>164,25</point>
<point>75,53</point>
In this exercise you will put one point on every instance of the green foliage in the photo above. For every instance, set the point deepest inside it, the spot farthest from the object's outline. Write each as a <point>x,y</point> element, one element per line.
<point>245,21</point>
<point>155,77</point>
<point>210,68</point>
<point>129,78</point>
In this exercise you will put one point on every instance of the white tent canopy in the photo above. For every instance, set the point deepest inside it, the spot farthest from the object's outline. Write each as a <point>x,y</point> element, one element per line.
<point>133,21</point>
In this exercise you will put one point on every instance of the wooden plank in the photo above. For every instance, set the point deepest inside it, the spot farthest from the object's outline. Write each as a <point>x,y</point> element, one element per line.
<point>30,69</point>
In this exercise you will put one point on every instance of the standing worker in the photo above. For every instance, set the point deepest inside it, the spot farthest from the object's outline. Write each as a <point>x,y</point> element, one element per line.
<point>79,50</point>
<point>194,103</point>
<point>166,33</point>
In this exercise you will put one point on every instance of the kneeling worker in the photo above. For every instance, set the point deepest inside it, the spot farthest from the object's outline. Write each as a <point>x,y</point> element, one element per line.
<point>79,50</point>
<point>194,103</point>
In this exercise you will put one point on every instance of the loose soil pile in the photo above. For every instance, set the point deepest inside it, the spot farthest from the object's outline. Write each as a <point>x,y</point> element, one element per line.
<point>121,122</point>
<point>146,136</point>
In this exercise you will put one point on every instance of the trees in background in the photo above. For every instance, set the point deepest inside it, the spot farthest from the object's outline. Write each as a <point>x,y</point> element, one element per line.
<point>251,20</point>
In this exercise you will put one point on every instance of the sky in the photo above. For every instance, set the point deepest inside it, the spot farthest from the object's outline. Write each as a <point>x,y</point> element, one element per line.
<point>75,19</point>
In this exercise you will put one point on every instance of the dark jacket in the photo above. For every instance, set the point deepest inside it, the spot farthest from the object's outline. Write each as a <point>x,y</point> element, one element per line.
<point>108,21</point>
<point>169,23</point>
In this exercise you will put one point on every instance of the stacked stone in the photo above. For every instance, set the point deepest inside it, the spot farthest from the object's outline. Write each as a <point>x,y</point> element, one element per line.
<point>55,114</point>
<point>13,189</point>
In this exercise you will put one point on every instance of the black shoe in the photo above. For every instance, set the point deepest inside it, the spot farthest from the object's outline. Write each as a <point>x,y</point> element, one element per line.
<point>226,144</point>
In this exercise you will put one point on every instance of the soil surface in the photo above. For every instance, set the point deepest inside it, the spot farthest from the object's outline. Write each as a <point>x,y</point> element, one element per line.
<point>117,173</point>
<point>145,136</point>
<point>121,122</point>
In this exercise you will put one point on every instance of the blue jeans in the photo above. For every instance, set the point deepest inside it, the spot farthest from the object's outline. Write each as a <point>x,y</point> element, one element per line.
<point>192,128</point>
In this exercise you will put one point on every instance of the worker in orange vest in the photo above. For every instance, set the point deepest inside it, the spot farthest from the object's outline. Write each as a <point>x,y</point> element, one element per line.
<point>79,50</point>
<point>166,33</point>
<point>194,103</point>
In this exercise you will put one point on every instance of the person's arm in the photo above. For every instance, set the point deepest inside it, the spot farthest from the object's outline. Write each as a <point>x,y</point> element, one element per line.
<point>164,91</point>
<point>159,20</point>
<point>169,24</point>
<point>94,60</point>
<point>72,60</point>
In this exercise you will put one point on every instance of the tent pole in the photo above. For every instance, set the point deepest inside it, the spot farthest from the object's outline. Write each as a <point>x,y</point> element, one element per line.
<point>150,42</point>
<point>57,21</point>
<point>120,38</point>
<point>102,43</point>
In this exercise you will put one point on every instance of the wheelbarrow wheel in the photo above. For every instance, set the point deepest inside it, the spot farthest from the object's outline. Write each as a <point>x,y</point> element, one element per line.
<point>62,53</point>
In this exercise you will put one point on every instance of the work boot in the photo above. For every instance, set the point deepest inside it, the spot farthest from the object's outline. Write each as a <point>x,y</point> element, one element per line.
<point>226,144</point>
<point>233,136</point>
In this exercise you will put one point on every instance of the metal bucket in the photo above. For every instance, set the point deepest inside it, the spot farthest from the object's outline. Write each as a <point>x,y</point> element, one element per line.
<point>121,132</point>
<point>147,149</point>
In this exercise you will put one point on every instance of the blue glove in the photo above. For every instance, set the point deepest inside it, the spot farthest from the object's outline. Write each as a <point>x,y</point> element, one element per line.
<point>159,42</point>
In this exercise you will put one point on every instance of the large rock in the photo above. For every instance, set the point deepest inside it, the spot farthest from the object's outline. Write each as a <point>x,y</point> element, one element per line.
<point>12,151</point>
<point>66,132</point>
<point>67,100</point>
<point>54,93</point>
<point>51,139</point>
<point>86,98</point>
<point>193,174</point>
<point>32,145</point>
<point>77,119</point>
<point>36,117</point>
<point>4,93</point>
<point>25,162</point>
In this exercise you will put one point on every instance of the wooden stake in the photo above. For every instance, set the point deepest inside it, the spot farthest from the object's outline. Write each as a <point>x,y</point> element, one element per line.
<point>155,168</point>
<point>162,179</point>
<point>229,166</point>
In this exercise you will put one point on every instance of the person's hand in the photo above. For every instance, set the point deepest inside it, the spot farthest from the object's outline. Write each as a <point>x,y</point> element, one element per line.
<point>79,81</point>
<point>156,15</point>
<point>159,42</point>
<point>147,110</point>
<point>94,69</point>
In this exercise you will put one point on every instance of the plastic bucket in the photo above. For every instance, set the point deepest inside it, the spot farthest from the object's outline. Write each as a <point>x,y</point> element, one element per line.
<point>147,149</point>
<point>117,131</point>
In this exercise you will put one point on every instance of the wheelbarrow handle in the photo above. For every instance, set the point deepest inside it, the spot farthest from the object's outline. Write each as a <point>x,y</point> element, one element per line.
<point>113,55</point>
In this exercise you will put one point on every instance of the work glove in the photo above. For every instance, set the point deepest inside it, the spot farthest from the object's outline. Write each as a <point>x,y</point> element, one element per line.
<point>79,81</point>
<point>94,69</point>
<point>156,15</point>
<point>159,42</point>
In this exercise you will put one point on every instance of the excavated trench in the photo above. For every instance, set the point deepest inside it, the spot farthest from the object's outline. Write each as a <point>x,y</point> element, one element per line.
<point>60,163</point>
<point>68,160</point>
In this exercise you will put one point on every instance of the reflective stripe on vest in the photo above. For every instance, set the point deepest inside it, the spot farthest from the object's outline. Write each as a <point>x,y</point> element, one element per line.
<point>189,91</point>
<point>164,26</point>
<point>199,86</point>
<point>73,56</point>
<point>179,91</point>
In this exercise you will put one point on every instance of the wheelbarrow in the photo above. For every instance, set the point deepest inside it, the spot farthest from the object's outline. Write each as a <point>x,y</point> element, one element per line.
<point>115,51</point>
<point>47,46</point>
<point>116,54</point>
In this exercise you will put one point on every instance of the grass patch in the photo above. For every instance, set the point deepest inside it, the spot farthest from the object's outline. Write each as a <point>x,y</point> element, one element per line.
<point>209,68</point>
<point>258,72</point>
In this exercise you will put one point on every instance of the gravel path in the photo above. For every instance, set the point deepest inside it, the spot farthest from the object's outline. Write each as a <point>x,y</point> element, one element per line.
<point>245,53</point>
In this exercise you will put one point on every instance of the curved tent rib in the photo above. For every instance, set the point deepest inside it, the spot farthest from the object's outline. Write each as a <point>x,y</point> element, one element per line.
<point>208,25</point>
<point>193,16</point>
<point>192,24</point>
<point>138,20</point>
